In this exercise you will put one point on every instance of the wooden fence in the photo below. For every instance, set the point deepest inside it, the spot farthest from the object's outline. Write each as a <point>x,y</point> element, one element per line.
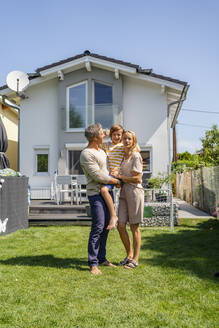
<point>200,188</point>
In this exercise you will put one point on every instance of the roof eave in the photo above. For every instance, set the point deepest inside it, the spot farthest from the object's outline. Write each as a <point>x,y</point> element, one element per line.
<point>80,63</point>
<point>181,100</point>
<point>119,67</point>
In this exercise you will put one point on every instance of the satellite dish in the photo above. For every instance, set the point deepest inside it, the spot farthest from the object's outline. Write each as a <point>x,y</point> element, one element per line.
<point>17,81</point>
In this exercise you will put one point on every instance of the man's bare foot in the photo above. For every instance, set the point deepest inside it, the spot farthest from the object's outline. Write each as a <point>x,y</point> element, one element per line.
<point>94,270</point>
<point>112,223</point>
<point>107,263</point>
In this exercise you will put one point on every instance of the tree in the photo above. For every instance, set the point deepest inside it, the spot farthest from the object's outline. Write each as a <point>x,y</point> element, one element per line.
<point>75,119</point>
<point>210,147</point>
<point>209,154</point>
<point>184,156</point>
<point>187,161</point>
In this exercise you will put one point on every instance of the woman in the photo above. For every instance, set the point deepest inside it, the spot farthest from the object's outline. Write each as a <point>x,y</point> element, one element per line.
<point>131,201</point>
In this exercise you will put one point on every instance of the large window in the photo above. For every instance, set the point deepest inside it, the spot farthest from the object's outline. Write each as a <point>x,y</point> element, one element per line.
<point>146,157</point>
<point>84,109</point>
<point>74,162</point>
<point>77,106</point>
<point>103,104</point>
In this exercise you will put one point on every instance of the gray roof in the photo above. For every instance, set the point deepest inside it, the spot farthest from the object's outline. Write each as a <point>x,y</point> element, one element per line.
<point>113,60</point>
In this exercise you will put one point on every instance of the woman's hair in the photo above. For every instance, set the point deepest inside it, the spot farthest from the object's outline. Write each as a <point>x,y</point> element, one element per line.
<point>115,127</point>
<point>133,149</point>
<point>92,131</point>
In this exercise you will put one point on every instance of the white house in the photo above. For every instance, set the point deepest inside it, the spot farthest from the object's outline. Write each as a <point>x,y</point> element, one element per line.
<point>66,96</point>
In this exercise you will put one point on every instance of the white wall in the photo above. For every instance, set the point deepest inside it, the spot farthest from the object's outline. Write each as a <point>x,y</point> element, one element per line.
<point>39,126</point>
<point>145,112</point>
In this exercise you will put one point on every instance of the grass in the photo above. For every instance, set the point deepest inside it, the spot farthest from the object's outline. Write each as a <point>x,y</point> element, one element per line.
<point>45,281</point>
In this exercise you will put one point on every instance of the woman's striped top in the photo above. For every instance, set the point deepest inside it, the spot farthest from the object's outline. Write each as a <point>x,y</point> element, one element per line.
<point>115,154</point>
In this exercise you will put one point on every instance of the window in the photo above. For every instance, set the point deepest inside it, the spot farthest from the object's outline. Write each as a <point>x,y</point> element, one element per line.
<point>74,162</point>
<point>146,157</point>
<point>41,160</point>
<point>103,104</point>
<point>101,107</point>
<point>77,106</point>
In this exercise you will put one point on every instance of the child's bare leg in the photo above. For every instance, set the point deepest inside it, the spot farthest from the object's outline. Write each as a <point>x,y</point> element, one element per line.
<point>104,191</point>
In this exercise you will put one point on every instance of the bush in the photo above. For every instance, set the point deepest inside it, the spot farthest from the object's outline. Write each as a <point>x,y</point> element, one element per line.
<point>161,180</point>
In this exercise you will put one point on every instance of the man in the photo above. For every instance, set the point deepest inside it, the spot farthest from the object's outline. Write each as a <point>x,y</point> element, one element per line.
<point>93,161</point>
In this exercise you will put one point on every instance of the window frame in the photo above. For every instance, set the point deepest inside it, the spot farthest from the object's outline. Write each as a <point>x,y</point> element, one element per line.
<point>68,129</point>
<point>41,150</point>
<point>72,147</point>
<point>143,148</point>
<point>93,96</point>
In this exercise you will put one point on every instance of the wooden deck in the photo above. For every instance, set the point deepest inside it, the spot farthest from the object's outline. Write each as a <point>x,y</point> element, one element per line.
<point>47,212</point>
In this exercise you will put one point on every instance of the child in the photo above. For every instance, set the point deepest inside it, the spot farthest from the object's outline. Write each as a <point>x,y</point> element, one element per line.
<point>115,153</point>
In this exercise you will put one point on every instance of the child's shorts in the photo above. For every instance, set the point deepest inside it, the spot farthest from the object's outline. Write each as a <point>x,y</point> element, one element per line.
<point>110,186</point>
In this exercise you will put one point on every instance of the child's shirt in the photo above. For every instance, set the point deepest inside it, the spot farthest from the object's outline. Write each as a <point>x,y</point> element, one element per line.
<point>115,154</point>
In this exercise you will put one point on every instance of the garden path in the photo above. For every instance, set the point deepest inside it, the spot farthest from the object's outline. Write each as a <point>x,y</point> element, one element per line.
<point>188,211</point>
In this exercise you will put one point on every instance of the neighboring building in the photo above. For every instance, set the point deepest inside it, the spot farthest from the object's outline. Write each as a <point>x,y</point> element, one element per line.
<point>66,96</point>
<point>9,118</point>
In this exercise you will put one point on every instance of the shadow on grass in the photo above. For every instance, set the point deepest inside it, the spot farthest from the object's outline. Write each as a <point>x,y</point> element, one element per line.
<point>197,223</point>
<point>47,261</point>
<point>193,251</point>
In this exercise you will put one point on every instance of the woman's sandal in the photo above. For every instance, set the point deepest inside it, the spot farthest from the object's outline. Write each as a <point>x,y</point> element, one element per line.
<point>125,261</point>
<point>131,265</point>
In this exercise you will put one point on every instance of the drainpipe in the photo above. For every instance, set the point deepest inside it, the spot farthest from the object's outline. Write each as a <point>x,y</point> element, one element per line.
<point>168,132</point>
<point>179,102</point>
<point>9,103</point>
<point>174,145</point>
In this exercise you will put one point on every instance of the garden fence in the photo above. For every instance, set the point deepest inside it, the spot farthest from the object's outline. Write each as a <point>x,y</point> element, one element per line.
<point>159,208</point>
<point>200,188</point>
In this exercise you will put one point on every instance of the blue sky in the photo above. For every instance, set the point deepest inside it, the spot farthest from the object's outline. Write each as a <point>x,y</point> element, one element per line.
<point>176,39</point>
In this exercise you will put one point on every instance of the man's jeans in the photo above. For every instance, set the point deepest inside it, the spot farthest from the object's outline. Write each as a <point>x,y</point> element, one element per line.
<point>98,234</point>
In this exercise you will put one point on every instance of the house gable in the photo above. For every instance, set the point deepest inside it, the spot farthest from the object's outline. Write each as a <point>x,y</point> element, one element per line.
<point>83,76</point>
<point>175,89</point>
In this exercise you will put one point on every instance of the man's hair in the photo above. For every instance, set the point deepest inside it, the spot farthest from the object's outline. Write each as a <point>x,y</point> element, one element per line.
<point>115,127</point>
<point>92,131</point>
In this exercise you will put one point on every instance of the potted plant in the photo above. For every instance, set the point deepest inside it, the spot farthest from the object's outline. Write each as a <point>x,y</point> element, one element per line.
<point>159,182</point>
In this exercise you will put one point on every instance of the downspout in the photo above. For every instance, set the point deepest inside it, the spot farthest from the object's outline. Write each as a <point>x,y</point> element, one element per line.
<point>179,102</point>
<point>168,133</point>
<point>174,144</point>
<point>18,142</point>
<point>11,104</point>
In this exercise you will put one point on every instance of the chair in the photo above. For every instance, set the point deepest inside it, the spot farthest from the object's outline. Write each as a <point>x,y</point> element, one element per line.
<point>80,190</point>
<point>63,184</point>
<point>53,187</point>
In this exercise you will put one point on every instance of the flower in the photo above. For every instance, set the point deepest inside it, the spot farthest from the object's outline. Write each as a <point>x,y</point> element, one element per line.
<point>9,172</point>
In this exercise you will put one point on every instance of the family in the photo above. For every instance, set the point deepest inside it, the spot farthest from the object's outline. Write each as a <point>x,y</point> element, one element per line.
<point>107,164</point>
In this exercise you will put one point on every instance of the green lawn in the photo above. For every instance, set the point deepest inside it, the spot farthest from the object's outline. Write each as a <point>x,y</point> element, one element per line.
<point>45,281</point>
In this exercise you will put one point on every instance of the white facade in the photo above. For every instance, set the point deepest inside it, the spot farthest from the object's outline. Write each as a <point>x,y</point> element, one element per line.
<point>140,98</point>
<point>145,112</point>
<point>38,130</point>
